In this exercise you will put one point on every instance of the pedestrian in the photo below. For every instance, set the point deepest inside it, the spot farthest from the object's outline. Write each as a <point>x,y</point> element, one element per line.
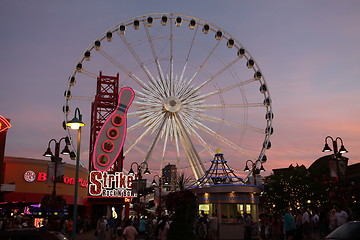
<point>332,220</point>
<point>164,226</point>
<point>298,219</point>
<point>129,233</point>
<point>341,217</point>
<point>101,228</point>
<point>111,227</point>
<point>289,224</point>
<point>275,225</point>
<point>213,227</point>
<point>247,226</point>
<point>314,223</point>
<point>306,224</point>
<point>69,227</point>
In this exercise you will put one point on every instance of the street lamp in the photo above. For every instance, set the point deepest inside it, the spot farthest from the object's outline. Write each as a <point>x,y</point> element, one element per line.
<point>139,173</point>
<point>56,159</point>
<point>76,124</point>
<point>340,167</point>
<point>337,152</point>
<point>159,207</point>
<point>139,168</point>
<point>254,168</point>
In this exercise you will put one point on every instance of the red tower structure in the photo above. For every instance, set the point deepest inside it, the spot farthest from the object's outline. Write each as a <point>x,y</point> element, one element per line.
<point>105,102</point>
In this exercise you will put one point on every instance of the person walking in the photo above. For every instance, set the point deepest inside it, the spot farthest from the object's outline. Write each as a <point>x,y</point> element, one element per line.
<point>111,223</point>
<point>306,231</point>
<point>164,226</point>
<point>275,225</point>
<point>341,217</point>
<point>247,226</point>
<point>213,227</point>
<point>289,224</point>
<point>298,219</point>
<point>332,220</point>
<point>101,229</point>
<point>201,229</point>
<point>129,233</point>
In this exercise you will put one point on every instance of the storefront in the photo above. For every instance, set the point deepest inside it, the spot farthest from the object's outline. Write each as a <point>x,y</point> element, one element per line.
<point>229,202</point>
<point>26,182</point>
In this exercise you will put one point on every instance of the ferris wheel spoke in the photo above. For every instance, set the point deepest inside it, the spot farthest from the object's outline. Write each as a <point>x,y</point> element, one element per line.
<point>124,69</point>
<point>146,132</point>
<point>133,147</point>
<point>87,73</point>
<point>148,105</point>
<point>144,111</point>
<point>221,106</point>
<point>175,129</point>
<point>171,58</point>
<point>152,94</point>
<point>188,54</point>
<point>155,140</point>
<point>223,90</point>
<point>134,126</point>
<point>156,58</point>
<point>229,123</point>
<point>189,125</point>
<point>136,57</point>
<point>166,130</point>
<point>215,75</point>
<point>224,140</point>
<point>204,61</point>
<point>146,122</point>
<point>82,98</point>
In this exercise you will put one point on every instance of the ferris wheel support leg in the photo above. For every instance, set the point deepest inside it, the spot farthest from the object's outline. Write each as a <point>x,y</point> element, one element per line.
<point>192,155</point>
<point>155,141</point>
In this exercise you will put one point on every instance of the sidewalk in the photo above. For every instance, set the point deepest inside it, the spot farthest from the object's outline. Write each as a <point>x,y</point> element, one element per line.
<point>86,236</point>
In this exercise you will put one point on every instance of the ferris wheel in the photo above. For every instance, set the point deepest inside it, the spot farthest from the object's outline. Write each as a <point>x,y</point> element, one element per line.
<point>196,88</point>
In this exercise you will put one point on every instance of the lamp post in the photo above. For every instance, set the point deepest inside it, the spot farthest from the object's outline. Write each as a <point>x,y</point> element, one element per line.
<point>339,172</point>
<point>254,168</point>
<point>139,173</point>
<point>159,207</point>
<point>76,124</point>
<point>139,180</point>
<point>337,152</point>
<point>56,158</point>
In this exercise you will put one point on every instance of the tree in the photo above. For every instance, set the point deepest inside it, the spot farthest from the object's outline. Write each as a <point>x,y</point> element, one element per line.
<point>298,187</point>
<point>184,205</point>
<point>288,188</point>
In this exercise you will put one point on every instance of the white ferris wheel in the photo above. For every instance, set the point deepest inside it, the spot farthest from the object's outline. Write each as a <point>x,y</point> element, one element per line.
<point>196,87</point>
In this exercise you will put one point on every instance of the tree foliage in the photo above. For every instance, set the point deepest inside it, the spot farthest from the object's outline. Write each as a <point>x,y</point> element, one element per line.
<point>296,187</point>
<point>183,204</point>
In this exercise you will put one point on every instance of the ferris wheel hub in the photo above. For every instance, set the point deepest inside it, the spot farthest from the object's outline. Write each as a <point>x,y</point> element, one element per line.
<point>172,104</point>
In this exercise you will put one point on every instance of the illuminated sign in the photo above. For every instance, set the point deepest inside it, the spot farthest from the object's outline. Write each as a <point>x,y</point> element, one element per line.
<point>31,176</point>
<point>111,137</point>
<point>104,184</point>
<point>4,124</point>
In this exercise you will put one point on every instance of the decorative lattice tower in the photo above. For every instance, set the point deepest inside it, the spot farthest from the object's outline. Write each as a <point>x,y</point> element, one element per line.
<point>219,172</point>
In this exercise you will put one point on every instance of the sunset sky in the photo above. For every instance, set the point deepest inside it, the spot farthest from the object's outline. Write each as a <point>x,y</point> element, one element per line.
<point>308,51</point>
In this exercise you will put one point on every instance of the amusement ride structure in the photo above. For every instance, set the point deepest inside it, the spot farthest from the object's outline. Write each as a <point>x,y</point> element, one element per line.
<point>196,89</point>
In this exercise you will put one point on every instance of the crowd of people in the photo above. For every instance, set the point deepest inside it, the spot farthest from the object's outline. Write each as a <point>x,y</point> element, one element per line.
<point>292,224</point>
<point>152,228</point>
<point>142,228</point>
<point>206,228</point>
<point>300,224</point>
